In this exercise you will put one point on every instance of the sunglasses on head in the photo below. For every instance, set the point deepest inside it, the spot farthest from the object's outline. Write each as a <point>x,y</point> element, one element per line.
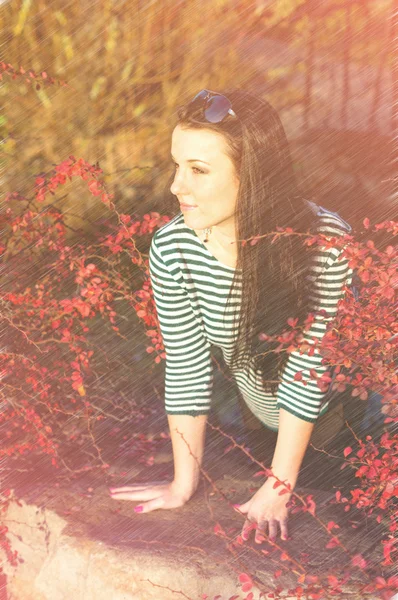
<point>216,106</point>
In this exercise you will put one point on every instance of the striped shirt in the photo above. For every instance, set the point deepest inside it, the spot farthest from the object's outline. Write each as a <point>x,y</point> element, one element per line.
<point>191,288</point>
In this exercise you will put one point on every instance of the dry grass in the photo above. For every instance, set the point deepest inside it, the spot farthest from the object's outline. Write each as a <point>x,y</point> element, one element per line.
<point>129,64</point>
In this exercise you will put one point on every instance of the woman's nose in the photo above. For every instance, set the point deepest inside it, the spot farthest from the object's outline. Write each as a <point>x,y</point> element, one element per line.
<point>178,186</point>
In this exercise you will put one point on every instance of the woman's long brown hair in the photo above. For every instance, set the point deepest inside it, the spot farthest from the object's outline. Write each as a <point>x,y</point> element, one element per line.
<point>272,275</point>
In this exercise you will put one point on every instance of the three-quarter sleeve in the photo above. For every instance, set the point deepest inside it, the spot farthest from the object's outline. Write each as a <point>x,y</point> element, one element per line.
<point>329,274</point>
<point>189,370</point>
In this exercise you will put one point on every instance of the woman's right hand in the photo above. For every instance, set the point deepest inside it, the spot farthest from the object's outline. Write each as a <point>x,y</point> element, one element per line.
<point>156,496</point>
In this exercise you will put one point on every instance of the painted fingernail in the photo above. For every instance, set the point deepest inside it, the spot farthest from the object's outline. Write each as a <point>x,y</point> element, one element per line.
<point>138,509</point>
<point>235,505</point>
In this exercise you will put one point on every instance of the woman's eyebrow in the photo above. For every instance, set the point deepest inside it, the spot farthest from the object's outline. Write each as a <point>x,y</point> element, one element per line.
<point>194,160</point>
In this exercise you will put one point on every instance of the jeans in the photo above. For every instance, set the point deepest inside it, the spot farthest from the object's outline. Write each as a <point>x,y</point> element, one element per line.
<point>373,418</point>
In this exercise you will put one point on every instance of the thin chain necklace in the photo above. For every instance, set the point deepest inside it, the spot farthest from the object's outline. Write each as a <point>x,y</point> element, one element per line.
<point>207,232</point>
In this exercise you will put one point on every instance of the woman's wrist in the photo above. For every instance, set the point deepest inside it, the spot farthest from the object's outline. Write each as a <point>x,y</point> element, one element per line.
<point>286,479</point>
<point>185,489</point>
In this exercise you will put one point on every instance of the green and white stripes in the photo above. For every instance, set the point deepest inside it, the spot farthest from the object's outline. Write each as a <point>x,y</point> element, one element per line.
<point>191,288</point>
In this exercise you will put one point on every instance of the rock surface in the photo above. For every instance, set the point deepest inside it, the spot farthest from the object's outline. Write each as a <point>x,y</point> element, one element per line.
<point>88,546</point>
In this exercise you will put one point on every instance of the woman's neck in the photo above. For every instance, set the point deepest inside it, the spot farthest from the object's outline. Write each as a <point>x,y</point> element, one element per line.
<point>223,233</point>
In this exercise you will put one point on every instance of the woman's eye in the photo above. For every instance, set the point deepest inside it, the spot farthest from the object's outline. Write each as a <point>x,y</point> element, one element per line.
<point>195,169</point>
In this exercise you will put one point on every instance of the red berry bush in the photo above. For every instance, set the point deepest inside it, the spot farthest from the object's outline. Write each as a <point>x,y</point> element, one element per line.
<point>54,293</point>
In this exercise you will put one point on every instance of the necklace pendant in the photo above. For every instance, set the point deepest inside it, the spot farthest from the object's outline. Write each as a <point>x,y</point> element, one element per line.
<point>207,232</point>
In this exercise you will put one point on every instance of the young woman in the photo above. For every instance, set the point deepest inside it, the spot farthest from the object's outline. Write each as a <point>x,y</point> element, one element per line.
<point>234,180</point>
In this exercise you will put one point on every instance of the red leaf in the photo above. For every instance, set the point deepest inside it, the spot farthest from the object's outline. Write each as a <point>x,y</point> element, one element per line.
<point>388,292</point>
<point>244,578</point>
<point>347,451</point>
<point>93,186</point>
<point>333,543</point>
<point>218,529</point>
<point>266,473</point>
<point>332,525</point>
<point>366,223</point>
<point>311,506</point>
<point>311,578</point>
<point>358,561</point>
<point>333,581</point>
<point>284,556</point>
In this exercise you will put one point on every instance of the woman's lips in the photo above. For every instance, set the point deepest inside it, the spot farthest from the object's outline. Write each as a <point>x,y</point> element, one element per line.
<point>187,207</point>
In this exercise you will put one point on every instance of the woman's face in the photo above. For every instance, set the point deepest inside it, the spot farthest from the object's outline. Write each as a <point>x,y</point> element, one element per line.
<point>205,179</point>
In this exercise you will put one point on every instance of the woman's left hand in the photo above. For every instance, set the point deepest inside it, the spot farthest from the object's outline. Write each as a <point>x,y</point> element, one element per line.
<point>266,510</point>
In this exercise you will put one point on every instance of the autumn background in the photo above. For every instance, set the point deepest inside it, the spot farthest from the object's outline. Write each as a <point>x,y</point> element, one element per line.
<point>101,82</point>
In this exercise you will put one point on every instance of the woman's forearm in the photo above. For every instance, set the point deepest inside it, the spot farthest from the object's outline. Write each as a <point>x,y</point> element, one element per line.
<point>293,438</point>
<point>188,438</point>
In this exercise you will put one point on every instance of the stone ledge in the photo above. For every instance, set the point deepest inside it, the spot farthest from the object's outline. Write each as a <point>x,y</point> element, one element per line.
<point>97,548</point>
